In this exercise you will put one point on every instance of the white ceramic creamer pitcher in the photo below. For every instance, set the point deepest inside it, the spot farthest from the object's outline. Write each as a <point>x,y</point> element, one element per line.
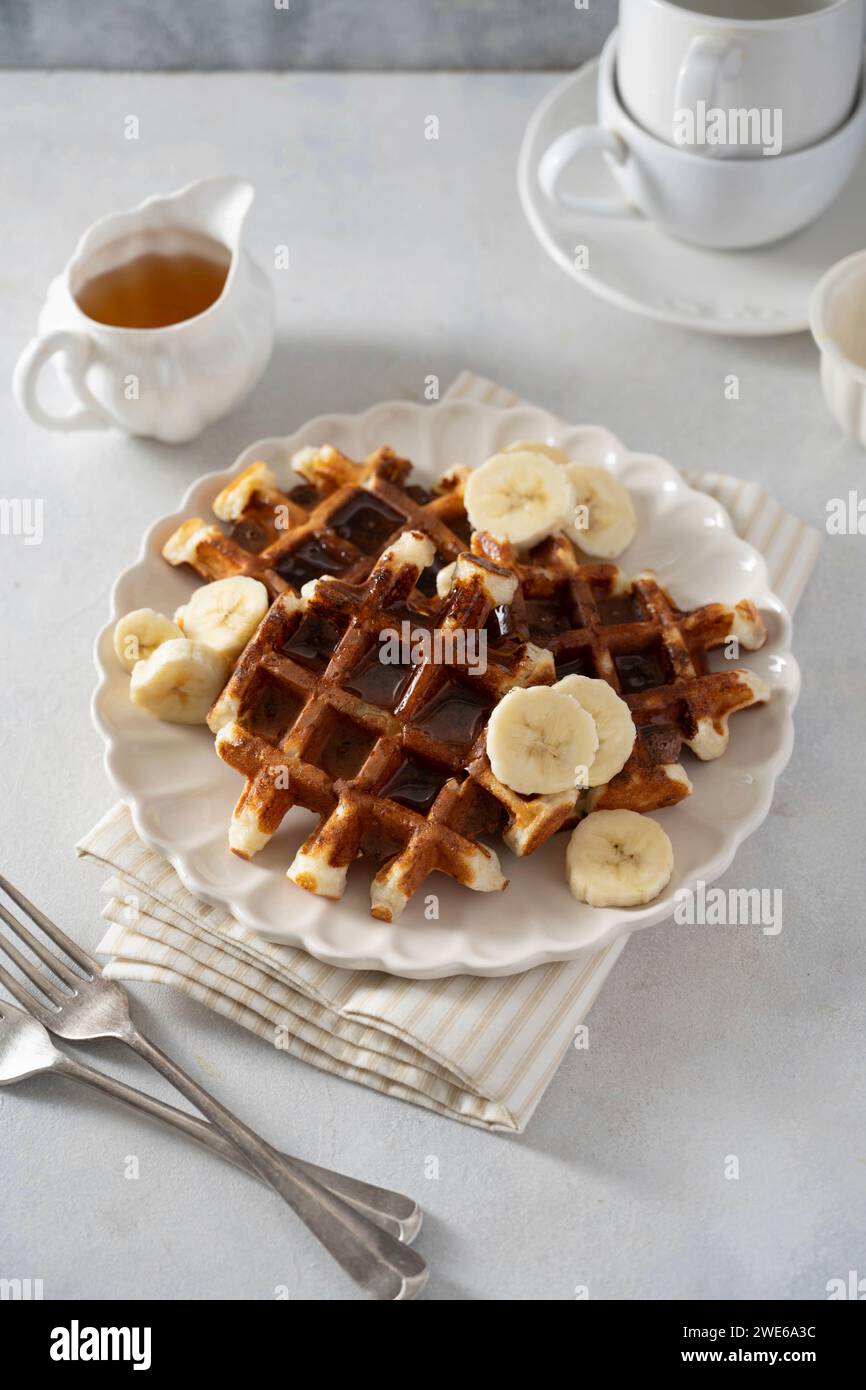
<point>165,382</point>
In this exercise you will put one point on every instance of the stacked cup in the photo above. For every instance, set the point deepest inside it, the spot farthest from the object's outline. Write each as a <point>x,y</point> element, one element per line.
<point>730,123</point>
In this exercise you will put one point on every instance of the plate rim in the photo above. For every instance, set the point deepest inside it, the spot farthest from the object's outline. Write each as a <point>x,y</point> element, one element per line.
<point>305,937</point>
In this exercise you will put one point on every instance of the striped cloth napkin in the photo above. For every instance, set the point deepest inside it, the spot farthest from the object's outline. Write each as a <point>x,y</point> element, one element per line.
<point>479,1050</point>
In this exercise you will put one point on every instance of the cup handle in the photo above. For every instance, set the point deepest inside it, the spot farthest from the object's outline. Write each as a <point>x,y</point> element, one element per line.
<point>560,154</point>
<point>706,61</point>
<point>88,414</point>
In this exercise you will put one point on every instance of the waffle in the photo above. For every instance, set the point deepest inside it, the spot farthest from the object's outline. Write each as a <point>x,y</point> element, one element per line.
<point>389,756</point>
<point>338,521</point>
<point>588,617</point>
<point>596,622</point>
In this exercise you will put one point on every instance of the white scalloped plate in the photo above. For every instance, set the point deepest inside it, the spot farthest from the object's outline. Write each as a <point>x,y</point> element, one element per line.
<point>181,794</point>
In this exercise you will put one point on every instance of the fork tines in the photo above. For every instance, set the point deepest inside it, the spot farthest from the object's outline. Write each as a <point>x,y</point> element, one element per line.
<point>51,960</point>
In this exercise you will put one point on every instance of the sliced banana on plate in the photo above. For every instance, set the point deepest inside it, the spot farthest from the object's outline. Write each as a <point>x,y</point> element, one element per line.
<point>540,740</point>
<point>613,721</point>
<point>519,496</point>
<point>537,446</point>
<point>224,615</point>
<point>618,859</point>
<point>179,681</point>
<point>139,633</point>
<point>603,522</point>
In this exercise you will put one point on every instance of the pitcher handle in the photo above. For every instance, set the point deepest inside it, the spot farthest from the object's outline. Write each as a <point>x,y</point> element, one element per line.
<point>88,414</point>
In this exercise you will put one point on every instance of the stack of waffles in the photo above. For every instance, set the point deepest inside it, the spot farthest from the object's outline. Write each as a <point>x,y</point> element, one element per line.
<point>365,694</point>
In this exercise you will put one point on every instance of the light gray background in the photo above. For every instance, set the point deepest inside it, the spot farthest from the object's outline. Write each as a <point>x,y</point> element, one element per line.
<point>335,34</point>
<point>411,257</point>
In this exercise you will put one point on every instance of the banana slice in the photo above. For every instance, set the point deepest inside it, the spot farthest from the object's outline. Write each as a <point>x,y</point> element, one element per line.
<point>613,721</point>
<point>444,579</point>
<point>179,681</point>
<point>603,522</point>
<point>520,497</point>
<point>224,615</point>
<point>618,859</point>
<point>540,740</point>
<point>537,446</point>
<point>139,633</point>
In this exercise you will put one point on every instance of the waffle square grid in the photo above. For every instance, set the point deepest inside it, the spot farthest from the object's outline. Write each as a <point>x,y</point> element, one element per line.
<point>376,750</point>
<point>596,622</point>
<point>337,523</point>
<point>389,756</point>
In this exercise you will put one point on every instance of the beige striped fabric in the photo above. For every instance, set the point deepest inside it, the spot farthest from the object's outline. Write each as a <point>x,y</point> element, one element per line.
<point>478,1050</point>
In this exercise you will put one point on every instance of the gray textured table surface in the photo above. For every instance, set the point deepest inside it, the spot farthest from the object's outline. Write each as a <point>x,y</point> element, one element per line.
<point>299,34</point>
<point>409,258</point>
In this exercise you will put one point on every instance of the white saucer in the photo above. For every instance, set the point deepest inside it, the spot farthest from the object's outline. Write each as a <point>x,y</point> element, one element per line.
<point>633,264</point>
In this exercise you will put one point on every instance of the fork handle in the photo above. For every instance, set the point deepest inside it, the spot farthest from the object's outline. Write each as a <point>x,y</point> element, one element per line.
<point>383,1267</point>
<point>393,1211</point>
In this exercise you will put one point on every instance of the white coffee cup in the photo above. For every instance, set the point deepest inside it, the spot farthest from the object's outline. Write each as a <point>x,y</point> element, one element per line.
<point>794,65</point>
<point>721,203</point>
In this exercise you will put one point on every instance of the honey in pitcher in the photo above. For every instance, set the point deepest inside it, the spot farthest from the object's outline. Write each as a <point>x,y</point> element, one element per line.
<point>151,282</point>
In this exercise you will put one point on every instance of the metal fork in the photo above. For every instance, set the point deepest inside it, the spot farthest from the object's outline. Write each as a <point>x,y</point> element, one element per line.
<point>98,1008</point>
<point>26,1049</point>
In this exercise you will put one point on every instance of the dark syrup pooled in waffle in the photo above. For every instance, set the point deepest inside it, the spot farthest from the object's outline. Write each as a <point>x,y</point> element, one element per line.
<point>595,622</point>
<point>588,617</point>
<point>390,756</point>
<point>337,522</point>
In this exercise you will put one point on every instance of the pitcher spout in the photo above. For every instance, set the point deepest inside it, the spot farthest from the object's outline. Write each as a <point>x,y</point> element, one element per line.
<point>217,207</point>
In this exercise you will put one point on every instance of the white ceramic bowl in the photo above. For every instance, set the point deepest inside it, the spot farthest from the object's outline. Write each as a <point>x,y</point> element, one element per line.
<point>181,794</point>
<point>838,323</point>
<point>722,203</point>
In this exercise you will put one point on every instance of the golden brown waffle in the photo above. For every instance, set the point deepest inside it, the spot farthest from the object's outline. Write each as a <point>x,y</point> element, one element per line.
<point>389,754</point>
<point>596,622</point>
<point>338,521</point>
